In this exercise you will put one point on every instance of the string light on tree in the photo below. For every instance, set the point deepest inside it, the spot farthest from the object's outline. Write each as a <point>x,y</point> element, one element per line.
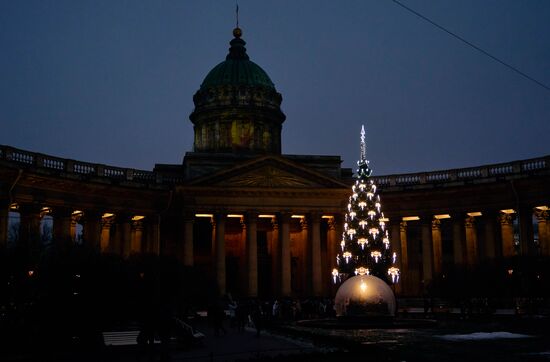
<point>366,247</point>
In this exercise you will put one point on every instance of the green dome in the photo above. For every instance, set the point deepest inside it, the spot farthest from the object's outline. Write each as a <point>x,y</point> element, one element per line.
<point>237,69</point>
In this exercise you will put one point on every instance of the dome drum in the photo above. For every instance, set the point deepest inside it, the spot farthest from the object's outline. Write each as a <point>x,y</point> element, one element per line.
<point>237,108</point>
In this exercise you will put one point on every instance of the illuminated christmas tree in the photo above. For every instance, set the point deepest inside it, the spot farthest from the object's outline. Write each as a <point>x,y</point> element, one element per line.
<point>365,245</point>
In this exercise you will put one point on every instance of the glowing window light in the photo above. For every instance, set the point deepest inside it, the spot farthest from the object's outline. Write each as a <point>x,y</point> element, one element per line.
<point>347,255</point>
<point>376,255</point>
<point>362,271</point>
<point>394,273</point>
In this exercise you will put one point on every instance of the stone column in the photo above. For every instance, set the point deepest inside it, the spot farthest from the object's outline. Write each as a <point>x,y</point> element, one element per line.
<point>471,241</point>
<point>405,277</point>
<point>125,225</point>
<point>252,253</point>
<point>333,243</point>
<point>458,239</point>
<point>526,244</point>
<point>544,231</point>
<point>153,234</point>
<point>188,253</point>
<point>219,251</point>
<point>62,227</point>
<point>29,232</point>
<point>427,249</point>
<point>275,257</point>
<point>395,234</point>
<point>437,248</point>
<point>507,234</point>
<point>285,254</point>
<point>106,244</point>
<point>4,221</point>
<point>316,267</point>
<point>92,229</point>
<point>490,240</point>
<point>136,243</point>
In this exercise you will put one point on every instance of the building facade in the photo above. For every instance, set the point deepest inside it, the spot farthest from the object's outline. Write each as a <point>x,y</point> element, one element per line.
<point>260,222</point>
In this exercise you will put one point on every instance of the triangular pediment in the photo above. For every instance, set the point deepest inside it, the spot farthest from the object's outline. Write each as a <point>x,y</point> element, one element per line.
<point>268,172</point>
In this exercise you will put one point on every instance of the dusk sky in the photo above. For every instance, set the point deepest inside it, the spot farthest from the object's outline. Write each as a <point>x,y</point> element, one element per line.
<point>112,81</point>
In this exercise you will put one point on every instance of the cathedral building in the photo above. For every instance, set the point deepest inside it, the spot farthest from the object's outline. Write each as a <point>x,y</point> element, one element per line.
<point>263,223</point>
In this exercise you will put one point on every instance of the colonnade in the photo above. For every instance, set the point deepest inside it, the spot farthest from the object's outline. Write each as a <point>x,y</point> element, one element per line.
<point>286,241</point>
<point>121,233</point>
<point>476,237</point>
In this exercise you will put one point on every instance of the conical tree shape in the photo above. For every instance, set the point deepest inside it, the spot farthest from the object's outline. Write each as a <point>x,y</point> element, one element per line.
<point>365,243</point>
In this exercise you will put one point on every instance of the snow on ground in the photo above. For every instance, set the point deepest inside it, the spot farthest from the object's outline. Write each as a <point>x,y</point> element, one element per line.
<point>478,336</point>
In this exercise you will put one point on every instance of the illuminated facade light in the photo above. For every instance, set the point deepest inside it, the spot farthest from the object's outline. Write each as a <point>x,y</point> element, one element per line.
<point>298,216</point>
<point>474,214</point>
<point>235,216</point>
<point>327,217</point>
<point>107,215</point>
<point>508,211</point>
<point>411,218</point>
<point>138,217</point>
<point>442,216</point>
<point>266,216</point>
<point>542,208</point>
<point>204,215</point>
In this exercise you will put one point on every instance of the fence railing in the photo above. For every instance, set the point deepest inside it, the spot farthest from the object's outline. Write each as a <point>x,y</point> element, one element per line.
<point>462,174</point>
<point>39,160</point>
